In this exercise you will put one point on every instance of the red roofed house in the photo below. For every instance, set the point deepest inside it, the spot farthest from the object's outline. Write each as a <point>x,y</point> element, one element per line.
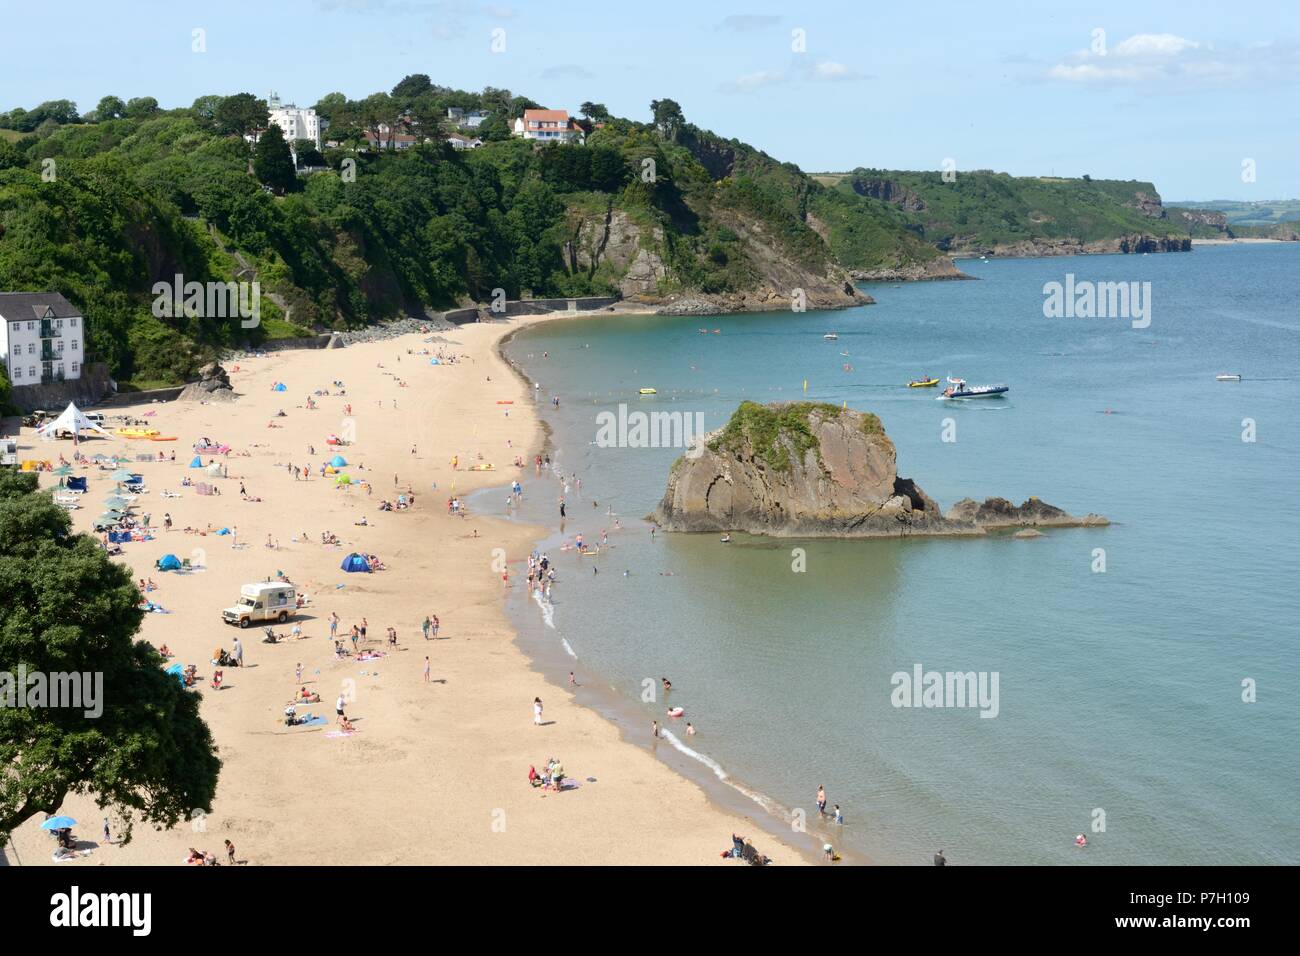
<point>548,126</point>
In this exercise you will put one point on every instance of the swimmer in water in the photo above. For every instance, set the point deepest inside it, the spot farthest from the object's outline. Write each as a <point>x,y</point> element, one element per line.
<point>668,685</point>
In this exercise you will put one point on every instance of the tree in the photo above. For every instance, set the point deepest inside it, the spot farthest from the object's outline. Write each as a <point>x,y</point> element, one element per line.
<point>307,153</point>
<point>273,162</point>
<point>668,118</point>
<point>330,105</point>
<point>411,86</point>
<point>204,109</point>
<point>110,108</point>
<point>10,156</point>
<point>242,113</point>
<point>141,107</point>
<point>69,610</point>
<point>595,112</point>
<point>377,115</point>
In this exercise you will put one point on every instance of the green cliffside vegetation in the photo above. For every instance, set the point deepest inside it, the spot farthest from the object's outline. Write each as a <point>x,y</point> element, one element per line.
<point>988,212</point>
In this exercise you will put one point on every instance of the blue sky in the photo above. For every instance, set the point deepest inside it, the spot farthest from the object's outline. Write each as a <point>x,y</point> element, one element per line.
<point>1182,95</point>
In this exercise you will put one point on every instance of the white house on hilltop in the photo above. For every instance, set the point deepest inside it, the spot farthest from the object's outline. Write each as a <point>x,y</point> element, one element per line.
<point>294,121</point>
<point>548,126</point>
<point>42,338</point>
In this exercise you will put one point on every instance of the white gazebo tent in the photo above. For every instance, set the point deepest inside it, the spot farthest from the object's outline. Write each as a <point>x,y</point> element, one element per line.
<point>72,420</point>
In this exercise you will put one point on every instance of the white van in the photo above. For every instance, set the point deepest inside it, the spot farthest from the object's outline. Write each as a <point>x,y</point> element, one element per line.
<point>262,602</point>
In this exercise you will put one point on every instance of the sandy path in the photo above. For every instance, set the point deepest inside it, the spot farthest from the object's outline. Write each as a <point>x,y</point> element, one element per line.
<point>448,760</point>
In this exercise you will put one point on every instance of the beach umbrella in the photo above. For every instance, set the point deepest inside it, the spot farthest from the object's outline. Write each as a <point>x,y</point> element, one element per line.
<point>115,502</point>
<point>63,470</point>
<point>121,474</point>
<point>59,823</point>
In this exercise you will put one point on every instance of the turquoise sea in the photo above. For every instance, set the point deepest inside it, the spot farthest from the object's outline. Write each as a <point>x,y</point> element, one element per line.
<point>1120,691</point>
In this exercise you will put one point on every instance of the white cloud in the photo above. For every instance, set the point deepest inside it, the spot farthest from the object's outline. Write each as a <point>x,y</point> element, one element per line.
<point>750,82</point>
<point>1168,63</point>
<point>1155,44</point>
<point>830,70</point>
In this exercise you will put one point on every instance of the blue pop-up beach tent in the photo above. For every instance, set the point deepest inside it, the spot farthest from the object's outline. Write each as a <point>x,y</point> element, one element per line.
<point>338,461</point>
<point>169,562</point>
<point>354,563</point>
<point>279,387</point>
<point>177,671</point>
<point>197,462</point>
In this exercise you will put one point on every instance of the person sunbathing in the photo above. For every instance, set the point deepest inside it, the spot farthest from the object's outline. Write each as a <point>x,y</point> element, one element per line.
<point>308,697</point>
<point>194,857</point>
<point>346,725</point>
<point>216,680</point>
<point>165,651</point>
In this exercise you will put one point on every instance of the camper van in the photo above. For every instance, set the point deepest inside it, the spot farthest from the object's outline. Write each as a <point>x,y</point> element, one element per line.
<point>8,451</point>
<point>262,602</point>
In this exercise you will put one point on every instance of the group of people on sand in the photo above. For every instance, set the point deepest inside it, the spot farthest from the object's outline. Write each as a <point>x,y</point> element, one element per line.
<point>204,858</point>
<point>551,777</point>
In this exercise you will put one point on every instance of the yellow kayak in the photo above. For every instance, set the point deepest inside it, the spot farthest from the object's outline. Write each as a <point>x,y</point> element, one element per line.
<point>137,432</point>
<point>923,383</point>
<point>649,391</point>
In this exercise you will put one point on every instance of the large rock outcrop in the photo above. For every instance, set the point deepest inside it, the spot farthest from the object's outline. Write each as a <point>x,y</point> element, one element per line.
<point>213,386</point>
<point>804,469</point>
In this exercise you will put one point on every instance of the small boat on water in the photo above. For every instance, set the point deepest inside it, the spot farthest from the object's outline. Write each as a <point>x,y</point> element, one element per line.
<point>649,391</point>
<point>959,389</point>
<point>831,336</point>
<point>923,383</point>
<point>1227,377</point>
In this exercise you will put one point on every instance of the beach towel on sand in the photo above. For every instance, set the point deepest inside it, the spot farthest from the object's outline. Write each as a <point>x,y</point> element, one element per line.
<point>341,733</point>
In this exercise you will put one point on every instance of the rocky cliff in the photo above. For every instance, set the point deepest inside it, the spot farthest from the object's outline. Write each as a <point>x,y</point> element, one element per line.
<point>805,469</point>
<point>635,256</point>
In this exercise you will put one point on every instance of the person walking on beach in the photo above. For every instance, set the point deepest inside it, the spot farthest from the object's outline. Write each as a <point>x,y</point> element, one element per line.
<point>426,626</point>
<point>821,799</point>
<point>355,636</point>
<point>654,729</point>
<point>238,654</point>
<point>839,816</point>
<point>537,711</point>
<point>334,624</point>
<point>426,669</point>
<point>338,709</point>
<point>230,853</point>
<point>940,859</point>
<point>107,837</point>
<point>297,673</point>
<point>364,625</point>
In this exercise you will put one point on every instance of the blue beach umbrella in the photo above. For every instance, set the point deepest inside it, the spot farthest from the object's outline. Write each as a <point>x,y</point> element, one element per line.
<point>59,823</point>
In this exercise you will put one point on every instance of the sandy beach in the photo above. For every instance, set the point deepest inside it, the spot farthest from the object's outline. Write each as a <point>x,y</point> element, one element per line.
<point>437,771</point>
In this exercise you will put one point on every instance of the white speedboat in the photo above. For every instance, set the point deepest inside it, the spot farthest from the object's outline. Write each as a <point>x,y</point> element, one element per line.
<point>1227,377</point>
<point>831,336</point>
<point>957,388</point>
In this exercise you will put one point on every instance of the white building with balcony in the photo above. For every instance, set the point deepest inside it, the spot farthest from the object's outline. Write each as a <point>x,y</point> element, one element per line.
<point>548,126</point>
<point>42,338</point>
